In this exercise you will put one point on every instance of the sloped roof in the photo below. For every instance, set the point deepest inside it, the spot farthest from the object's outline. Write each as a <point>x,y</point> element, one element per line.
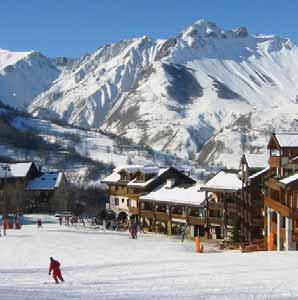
<point>14,170</point>
<point>289,179</point>
<point>287,140</point>
<point>115,176</point>
<point>180,195</point>
<point>137,183</point>
<point>257,160</point>
<point>259,173</point>
<point>46,181</point>
<point>223,181</point>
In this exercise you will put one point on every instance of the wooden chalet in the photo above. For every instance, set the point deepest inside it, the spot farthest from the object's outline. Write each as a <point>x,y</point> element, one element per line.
<point>170,206</point>
<point>281,192</point>
<point>47,193</point>
<point>24,188</point>
<point>127,183</point>
<point>14,178</point>
<point>254,167</point>
<point>223,204</point>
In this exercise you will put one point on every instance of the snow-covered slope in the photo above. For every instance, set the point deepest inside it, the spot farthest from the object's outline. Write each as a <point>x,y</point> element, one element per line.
<point>24,75</point>
<point>176,94</point>
<point>99,264</point>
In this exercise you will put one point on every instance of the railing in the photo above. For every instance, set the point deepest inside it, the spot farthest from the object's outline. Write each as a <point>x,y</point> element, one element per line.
<point>215,205</point>
<point>178,216</point>
<point>162,216</point>
<point>217,221</point>
<point>124,194</point>
<point>196,220</point>
<point>133,210</point>
<point>148,214</point>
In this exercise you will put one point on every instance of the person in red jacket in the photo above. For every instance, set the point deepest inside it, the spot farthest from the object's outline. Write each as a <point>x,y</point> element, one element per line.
<point>55,267</point>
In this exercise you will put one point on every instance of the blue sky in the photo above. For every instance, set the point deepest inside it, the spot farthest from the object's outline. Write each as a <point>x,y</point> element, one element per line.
<point>75,27</point>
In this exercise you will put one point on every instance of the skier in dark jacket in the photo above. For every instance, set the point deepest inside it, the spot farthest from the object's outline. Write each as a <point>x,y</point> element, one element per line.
<point>55,267</point>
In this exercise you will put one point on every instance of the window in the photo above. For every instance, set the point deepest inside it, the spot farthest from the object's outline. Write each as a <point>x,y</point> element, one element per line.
<point>123,200</point>
<point>275,152</point>
<point>128,202</point>
<point>116,201</point>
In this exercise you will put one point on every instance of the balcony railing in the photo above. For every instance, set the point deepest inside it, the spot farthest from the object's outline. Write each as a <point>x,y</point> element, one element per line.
<point>217,221</point>
<point>162,216</point>
<point>133,210</point>
<point>196,220</point>
<point>148,214</point>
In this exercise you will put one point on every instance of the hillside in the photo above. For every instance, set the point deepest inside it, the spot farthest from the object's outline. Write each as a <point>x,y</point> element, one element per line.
<point>83,154</point>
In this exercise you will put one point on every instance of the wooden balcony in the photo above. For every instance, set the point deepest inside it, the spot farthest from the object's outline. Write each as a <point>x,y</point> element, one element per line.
<point>133,210</point>
<point>216,221</point>
<point>178,216</point>
<point>196,220</point>
<point>272,183</point>
<point>124,194</point>
<point>274,161</point>
<point>148,214</point>
<point>282,209</point>
<point>216,205</point>
<point>162,216</point>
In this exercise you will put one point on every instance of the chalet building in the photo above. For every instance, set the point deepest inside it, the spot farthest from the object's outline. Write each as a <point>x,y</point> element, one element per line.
<point>14,178</point>
<point>281,192</point>
<point>170,207</point>
<point>253,168</point>
<point>23,187</point>
<point>223,198</point>
<point>47,193</point>
<point>127,183</point>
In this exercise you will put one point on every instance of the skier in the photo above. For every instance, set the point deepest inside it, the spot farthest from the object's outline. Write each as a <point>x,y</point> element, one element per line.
<point>39,223</point>
<point>5,226</point>
<point>60,220</point>
<point>183,232</point>
<point>55,267</point>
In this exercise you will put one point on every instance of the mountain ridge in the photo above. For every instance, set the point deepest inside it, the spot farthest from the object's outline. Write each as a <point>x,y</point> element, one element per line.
<point>178,94</point>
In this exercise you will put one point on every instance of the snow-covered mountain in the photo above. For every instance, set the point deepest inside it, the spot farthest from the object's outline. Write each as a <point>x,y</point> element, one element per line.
<point>201,92</point>
<point>24,75</point>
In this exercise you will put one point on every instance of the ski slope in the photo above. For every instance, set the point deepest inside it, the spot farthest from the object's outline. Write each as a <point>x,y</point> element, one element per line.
<point>108,265</point>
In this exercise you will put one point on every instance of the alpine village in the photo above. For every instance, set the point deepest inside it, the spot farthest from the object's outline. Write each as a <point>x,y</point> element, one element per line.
<point>252,208</point>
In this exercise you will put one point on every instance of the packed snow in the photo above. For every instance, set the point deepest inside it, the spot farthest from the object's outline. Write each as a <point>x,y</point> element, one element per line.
<point>99,264</point>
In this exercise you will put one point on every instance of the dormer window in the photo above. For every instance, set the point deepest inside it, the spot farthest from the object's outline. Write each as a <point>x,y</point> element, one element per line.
<point>275,152</point>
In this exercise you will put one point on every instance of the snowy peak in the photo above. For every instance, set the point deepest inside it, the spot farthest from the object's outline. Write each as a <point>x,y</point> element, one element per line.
<point>24,75</point>
<point>202,34</point>
<point>10,58</point>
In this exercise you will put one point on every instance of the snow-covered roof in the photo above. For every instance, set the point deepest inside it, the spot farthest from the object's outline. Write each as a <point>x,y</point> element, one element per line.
<point>115,176</point>
<point>180,195</point>
<point>14,169</point>
<point>259,173</point>
<point>223,181</point>
<point>46,181</point>
<point>257,161</point>
<point>137,183</point>
<point>287,139</point>
<point>289,179</point>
